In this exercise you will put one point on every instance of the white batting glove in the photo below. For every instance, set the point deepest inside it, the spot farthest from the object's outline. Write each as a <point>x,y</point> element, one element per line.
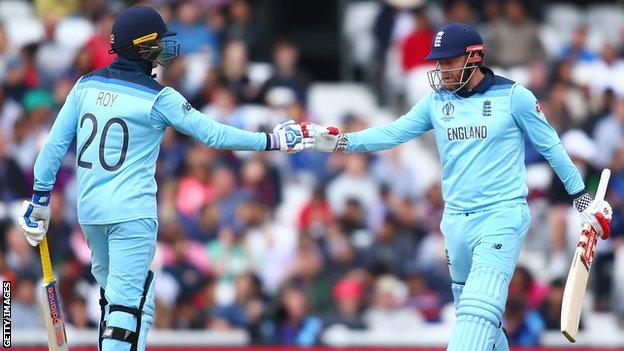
<point>598,214</point>
<point>287,136</point>
<point>34,218</point>
<point>325,139</point>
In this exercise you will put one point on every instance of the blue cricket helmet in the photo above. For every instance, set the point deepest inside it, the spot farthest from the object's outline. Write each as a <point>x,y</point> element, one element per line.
<point>138,33</point>
<point>137,25</point>
<point>454,40</point>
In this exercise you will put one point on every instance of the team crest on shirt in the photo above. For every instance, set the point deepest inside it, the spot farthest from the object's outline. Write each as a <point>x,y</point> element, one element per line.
<point>487,108</point>
<point>447,112</point>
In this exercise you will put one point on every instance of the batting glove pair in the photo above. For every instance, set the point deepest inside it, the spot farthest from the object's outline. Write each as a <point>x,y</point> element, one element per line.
<point>291,137</point>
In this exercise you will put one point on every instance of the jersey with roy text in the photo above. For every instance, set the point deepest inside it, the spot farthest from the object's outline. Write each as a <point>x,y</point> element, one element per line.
<point>118,115</point>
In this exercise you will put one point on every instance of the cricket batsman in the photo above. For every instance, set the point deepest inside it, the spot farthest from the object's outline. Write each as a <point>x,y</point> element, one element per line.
<point>478,119</point>
<point>118,115</point>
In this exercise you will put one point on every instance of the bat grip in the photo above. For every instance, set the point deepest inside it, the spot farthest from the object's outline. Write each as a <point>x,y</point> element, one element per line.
<point>46,264</point>
<point>602,186</point>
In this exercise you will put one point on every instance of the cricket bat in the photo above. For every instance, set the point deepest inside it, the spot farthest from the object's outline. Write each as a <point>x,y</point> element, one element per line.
<point>52,309</point>
<point>578,276</point>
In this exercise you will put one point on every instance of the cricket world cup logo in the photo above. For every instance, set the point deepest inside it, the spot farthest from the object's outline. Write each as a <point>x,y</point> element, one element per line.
<point>447,111</point>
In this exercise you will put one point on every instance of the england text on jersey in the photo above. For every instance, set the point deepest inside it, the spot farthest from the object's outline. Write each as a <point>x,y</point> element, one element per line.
<point>466,132</point>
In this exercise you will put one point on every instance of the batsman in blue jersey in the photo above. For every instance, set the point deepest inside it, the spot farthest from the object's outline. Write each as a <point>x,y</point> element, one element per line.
<point>479,120</point>
<point>118,115</point>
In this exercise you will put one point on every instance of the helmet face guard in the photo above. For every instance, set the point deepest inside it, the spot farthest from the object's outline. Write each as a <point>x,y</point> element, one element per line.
<point>474,59</point>
<point>163,52</point>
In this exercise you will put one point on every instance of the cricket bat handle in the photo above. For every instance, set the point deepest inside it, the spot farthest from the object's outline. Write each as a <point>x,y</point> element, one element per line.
<point>602,186</point>
<point>46,263</point>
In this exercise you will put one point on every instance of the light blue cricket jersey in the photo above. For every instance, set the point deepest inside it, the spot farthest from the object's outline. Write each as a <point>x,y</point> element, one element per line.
<point>119,115</point>
<point>479,136</point>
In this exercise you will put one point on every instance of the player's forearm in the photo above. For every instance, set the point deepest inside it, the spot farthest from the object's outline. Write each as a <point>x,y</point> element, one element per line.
<point>222,136</point>
<point>47,165</point>
<point>565,169</point>
<point>375,139</point>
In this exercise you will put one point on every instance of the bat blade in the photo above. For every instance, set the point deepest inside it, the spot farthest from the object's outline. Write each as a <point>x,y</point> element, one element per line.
<point>52,307</point>
<point>55,324</point>
<point>576,284</point>
<point>575,288</point>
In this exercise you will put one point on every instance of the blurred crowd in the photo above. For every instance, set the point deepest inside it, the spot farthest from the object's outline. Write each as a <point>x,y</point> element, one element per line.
<point>287,246</point>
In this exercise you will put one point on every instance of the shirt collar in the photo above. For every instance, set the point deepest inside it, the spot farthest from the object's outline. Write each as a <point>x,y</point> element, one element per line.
<point>482,87</point>
<point>124,64</point>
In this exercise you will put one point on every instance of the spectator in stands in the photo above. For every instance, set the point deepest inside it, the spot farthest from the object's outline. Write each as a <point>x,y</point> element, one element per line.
<point>341,256</point>
<point>77,315</point>
<point>261,181</point>
<point>353,220</point>
<point>25,311</point>
<point>234,71</point>
<point>194,35</point>
<point>348,298</point>
<point>56,9</point>
<point>172,155</point>
<point>186,315</point>
<point>422,297</point>
<point>228,259</point>
<point>246,28</point>
<point>186,274</point>
<point>417,44</point>
<point>225,109</point>
<point>526,288</point>
<point>12,185</point>
<point>286,71</point>
<point>99,43</point>
<point>354,183</point>
<point>609,133</point>
<point>294,323</point>
<point>228,195</point>
<point>60,230</point>
<point>209,223</point>
<point>607,72</point>
<point>4,52</point>
<point>14,82</point>
<point>387,312</point>
<point>538,81</point>
<point>550,309</point>
<point>391,250</point>
<point>514,39</point>
<point>389,169</point>
<point>577,49</point>
<point>307,276</point>
<point>522,323</point>
<point>316,215</point>
<point>20,258</point>
<point>248,310</point>
<point>195,189</point>
<point>459,11</point>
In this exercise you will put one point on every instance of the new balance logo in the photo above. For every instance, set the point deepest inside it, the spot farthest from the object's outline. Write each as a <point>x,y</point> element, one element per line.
<point>108,332</point>
<point>438,39</point>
